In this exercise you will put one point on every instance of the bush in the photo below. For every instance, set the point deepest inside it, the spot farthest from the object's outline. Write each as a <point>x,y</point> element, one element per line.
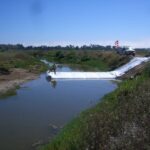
<point>59,55</point>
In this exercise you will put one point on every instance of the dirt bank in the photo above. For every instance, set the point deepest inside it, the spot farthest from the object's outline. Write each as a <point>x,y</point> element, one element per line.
<point>132,73</point>
<point>14,79</point>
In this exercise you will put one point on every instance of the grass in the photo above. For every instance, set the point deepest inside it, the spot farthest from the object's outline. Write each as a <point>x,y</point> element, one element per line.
<point>87,60</point>
<point>21,59</point>
<point>10,92</point>
<point>92,60</point>
<point>120,121</point>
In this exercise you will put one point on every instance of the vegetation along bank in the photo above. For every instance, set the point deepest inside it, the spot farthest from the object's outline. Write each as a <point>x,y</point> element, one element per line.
<point>17,67</point>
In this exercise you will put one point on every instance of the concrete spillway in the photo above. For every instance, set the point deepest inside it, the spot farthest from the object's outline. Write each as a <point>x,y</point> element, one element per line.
<point>100,75</point>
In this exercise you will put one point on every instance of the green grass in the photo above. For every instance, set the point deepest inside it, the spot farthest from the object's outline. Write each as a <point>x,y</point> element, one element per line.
<point>91,60</point>
<point>21,59</point>
<point>120,121</point>
<point>10,92</point>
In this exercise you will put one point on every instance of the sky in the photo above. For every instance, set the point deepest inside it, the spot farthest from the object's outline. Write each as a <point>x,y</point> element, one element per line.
<point>77,22</point>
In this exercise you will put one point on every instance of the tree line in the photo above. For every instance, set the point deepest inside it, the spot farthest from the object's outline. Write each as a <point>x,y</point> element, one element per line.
<point>59,47</point>
<point>68,47</point>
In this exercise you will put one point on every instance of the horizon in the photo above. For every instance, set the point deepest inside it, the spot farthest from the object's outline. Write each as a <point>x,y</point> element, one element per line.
<point>54,22</point>
<point>63,46</point>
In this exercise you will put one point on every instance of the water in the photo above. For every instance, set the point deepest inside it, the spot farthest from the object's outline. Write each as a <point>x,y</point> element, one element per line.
<point>26,118</point>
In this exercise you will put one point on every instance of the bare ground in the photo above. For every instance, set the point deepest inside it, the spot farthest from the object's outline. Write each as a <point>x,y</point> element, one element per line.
<point>14,79</point>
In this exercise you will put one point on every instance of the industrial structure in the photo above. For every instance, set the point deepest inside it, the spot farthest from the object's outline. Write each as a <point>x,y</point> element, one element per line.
<point>124,50</point>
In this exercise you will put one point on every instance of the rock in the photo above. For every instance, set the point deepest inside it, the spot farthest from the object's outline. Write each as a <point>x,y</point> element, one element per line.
<point>40,142</point>
<point>53,126</point>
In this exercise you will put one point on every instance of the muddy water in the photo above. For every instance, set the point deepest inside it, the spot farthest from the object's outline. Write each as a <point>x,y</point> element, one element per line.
<point>40,108</point>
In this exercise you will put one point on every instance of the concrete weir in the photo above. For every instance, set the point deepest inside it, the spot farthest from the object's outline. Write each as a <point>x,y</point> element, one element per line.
<point>100,75</point>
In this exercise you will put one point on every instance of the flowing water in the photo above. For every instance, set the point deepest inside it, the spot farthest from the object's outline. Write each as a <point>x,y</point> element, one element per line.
<point>41,108</point>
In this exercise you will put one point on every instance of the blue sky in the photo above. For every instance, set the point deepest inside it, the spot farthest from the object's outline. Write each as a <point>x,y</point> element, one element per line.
<point>78,22</point>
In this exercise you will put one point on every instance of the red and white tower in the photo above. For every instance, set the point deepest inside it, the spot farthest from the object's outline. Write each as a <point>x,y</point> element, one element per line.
<point>117,44</point>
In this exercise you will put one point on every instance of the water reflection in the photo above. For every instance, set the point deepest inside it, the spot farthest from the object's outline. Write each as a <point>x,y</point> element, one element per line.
<point>52,82</point>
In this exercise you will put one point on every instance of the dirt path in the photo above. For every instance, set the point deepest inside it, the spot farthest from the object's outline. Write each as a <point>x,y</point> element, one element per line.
<point>14,79</point>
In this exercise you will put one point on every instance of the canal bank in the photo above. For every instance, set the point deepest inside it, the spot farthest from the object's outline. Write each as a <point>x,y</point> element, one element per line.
<point>9,83</point>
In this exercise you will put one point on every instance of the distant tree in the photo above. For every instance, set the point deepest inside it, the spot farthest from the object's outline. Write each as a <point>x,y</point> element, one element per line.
<point>59,55</point>
<point>108,47</point>
<point>19,46</point>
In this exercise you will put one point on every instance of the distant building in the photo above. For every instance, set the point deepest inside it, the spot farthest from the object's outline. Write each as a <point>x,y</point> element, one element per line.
<point>125,50</point>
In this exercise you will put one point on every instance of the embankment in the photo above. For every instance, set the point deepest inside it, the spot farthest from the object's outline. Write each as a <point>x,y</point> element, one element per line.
<point>17,67</point>
<point>9,83</point>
